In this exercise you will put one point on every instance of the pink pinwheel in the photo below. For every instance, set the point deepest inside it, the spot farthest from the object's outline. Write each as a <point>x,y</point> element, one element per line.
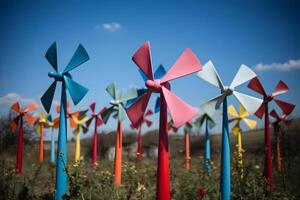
<point>140,138</point>
<point>180,111</point>
<point>287,108</point>
<point>98,122</point>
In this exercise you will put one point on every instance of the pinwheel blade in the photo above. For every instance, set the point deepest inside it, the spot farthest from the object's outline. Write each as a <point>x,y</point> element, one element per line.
<point>186,64</point>
<point>236,129</point>
<point>121,113</point>
<point>32,106</point>
<point>92,107</point>
<point>255,85</point>
<point>16,107</point>
<point>88,122</point>
<point>130,94</point>
<point>99,121</point>
<point>111,89</point>
<point>47,97</point>
<point>142,58</point>
<point>243,75</point>
<point>260,111</point>
<point>286,107</point>
<point>280,88</point>
<point>176,107</point>
<point>51,55</point>
<point>210,74</point>
<point>250,103</point>
<point>274,114</point>
<point>148,113</point>
<point>49,118</point>
<point>211,105</point>
<point>136,111</point>
<point>243,112</point>
<point>144,77</point>
<point>29,119</point>
<point>77,91</point>
<point>211,123</point>
<point>80,56</point>
<point>159,72</point>
<point>157,105</point>
<point>250,123</point>
<point>15,122</point>
<point>232,111</point>
<point>106,114</point>
<point>148,122</point>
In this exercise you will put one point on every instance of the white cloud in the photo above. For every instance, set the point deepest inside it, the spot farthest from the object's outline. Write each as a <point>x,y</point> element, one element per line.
<point>287,66</point>
<point>110,27</point>
<point>10,98</point>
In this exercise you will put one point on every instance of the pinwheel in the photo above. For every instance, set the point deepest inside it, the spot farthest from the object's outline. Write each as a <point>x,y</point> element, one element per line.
<point>251,104</point>
<point>18,121</point>
<point>39,125</point>
<point>79,121</point>
<point>69,115</point>
<point>140,138</point>
<point>53,126</point>
<point>209,124</point>
<point>119,98</point>
<point>98,122</point>
<point>287,108</point>
<point>237,131</point>
<point>187,130</point>
<point>77,92</point>
<point>186,64</point>
<point>276,125</point>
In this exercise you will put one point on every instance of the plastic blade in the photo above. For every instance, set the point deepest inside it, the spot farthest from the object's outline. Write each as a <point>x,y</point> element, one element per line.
<point>29,119</point>
<point>47,97</point>
<point>211,105</point>
<point>261,111</point>
<point>255,85</point>
<point>157,105</point>
<point>136,111</point>
<point>176,107</point>
<point>80,56</point>
<point>77,91</point>
<point>111,89</point>
<point>106,114</point>
<point>148,113</point>
<point>186,64</point>
<point>159,72</point>
<point>243,112</point>
<point>286,107</point>
<point>211,123</point>
<point>210,74</point>
<point>92,107</point>
<point>142,58</point>
<point>121,113</point>
<point>144,77</point>
<point>232,111</point>
<point>250,123</point>
<point>16,107</point>
<point>130,94</point>
<point>148,122</point>
<point>32,106</point>
<point>250,103</point>
<point>89,121</point>
<point>243,75</point>
<point>51,55</point>
<point>15,122</point>
<point>280,88</point>
<point>274,114</point>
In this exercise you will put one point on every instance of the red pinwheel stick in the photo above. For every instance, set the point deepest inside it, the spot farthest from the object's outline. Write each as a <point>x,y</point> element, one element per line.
<point>20,148</point>
<point>268,161</point>
<point>140,144</point>
<point>95,142</point>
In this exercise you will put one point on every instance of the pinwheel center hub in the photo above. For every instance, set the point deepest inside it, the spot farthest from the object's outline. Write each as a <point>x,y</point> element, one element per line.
<point>268,98</point>
<point>228,90</point>
<point>56,75</point>
<point>154,85</point>
<point>115,102</point>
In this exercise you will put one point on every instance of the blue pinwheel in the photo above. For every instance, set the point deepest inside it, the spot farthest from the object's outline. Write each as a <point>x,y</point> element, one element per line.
<point>77,92</point>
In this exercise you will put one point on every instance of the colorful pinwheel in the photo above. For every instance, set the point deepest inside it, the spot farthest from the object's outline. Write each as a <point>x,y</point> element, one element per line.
<point>77,92</point>
<point>287,108</point>
<point>140,137</point>
<point>18,122</point>
<point>237,131</point>
<point>186,64</point>
<point>98,122</point>
<point>209,124</point>
<point>119,98</point>
<point>251,104</point>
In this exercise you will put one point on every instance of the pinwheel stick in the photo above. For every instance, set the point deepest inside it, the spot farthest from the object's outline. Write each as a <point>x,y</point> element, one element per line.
<point>41,147</point>
<point>118,156</point>
<point>140,144</point>
<point>268,159</point>
<point>187,149</point>
<point>225,157</point>
<point>95,143</point>
<point>207,148</point>
<point>240,152</point>
<point>52,155</point>
<point>77,145</point>
<point>278,153</point>
<point>61,176</point>
<point>163,174</point>
<point>20,148</point>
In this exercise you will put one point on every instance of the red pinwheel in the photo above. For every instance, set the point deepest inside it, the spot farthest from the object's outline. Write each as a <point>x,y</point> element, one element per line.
<point>18,121</point>
<point>180,111</point>
<point>98,122</point>
<point>140,138</point>
<point>276,125</point>
<point>287,108</point>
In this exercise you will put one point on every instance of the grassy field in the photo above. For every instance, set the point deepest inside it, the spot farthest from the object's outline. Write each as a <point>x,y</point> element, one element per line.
<point>139,177</point>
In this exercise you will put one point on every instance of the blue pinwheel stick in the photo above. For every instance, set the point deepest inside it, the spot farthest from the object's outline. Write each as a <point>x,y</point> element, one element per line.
<point>77,92</point>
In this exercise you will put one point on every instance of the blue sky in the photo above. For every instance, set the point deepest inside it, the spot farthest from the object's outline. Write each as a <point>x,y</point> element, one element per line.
<point>230,34</point>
